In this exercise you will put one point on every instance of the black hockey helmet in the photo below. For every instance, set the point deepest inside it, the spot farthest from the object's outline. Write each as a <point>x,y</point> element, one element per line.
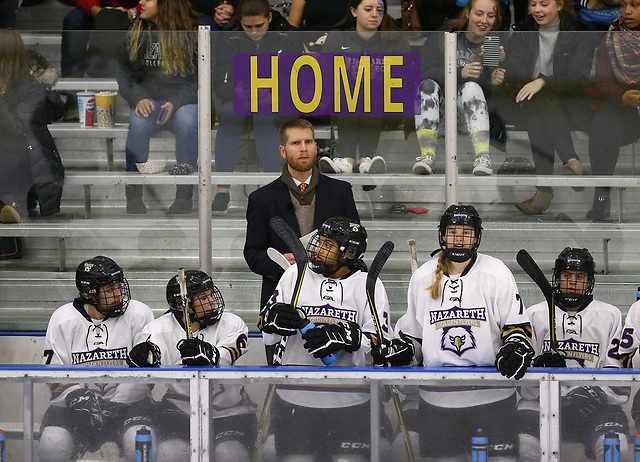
<point>460,215</point>
<point>98,272</point>
<point>577,260</point>
<point>351,238</point>
<point>205,312</point>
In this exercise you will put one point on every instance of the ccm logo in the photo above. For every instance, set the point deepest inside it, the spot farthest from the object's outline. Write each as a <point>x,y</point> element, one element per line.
<point>346,445</point>
<point>501,447</point>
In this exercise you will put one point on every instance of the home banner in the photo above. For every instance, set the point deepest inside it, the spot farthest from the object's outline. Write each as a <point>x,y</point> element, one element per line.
<point>325,84</point>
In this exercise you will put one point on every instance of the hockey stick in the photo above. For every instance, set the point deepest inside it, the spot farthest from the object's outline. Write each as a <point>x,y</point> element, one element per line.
<point>278,258</point>
<point>374,271</point>
<point>528,264</point>
<point>185,302</point>
<point>300,254</point>
<point>413,257</point>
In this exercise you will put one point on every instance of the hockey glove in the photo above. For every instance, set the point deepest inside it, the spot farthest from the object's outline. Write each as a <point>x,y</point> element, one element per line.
<point>584,400</point>
<point>196,352</point>
<point>397,352</point>
<point>514,357</point>
<point>85,412</point>
<point>281,319</point>
<point>550,360</point>
<point>326,340</point>
<point>145,354</point>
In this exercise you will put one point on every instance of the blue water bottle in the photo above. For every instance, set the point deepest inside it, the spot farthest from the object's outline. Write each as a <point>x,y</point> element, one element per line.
<point>611,447</point>
<point>3,454</point>
<point>638,294</point>
<point>636,452</point>
<point>143,445</point>
<point>479,447</point>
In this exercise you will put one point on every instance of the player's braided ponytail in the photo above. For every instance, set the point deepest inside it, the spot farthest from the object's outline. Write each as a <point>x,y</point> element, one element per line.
<point>444,266</point>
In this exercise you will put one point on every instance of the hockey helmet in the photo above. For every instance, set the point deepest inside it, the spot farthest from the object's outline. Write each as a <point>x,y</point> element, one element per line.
<point>460,215</point>
<point>99,272</point>
<point>351,239</point>
<point>572,259</point>
<point>205,309</point>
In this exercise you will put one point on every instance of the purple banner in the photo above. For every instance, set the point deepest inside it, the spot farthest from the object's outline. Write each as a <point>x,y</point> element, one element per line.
<point>325,84</point>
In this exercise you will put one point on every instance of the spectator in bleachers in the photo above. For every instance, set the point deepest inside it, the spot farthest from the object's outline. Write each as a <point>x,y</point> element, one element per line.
<point>367,28</point>
<point>547,72</point>
<point>260,30</point>
<point>475,83</point>
<point>316,17</point>
<point>617,81</point>
<point>597,14</point>
<point>157,76</point>
<point>96,329</point>
<point>31,171</point>
<point>77,25</point>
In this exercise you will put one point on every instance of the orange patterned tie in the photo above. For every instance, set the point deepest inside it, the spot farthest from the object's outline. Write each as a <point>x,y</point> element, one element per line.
<point>303,187</point>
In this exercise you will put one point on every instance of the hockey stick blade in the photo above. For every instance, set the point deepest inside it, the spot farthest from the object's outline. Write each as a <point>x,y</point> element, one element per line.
<point>300,254</point>
<point>413,257</point>
<point>278,258</point>
<point>528,264</point>
<point>185,302</point>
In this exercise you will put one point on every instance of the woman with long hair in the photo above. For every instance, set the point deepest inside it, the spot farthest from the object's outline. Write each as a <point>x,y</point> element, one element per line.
<point>31,171</point>
<point>367,28</point>
<point>617,80</point>
<point>547,68</point>
<point>475,83</point>
<point>157,77</point>
<point>259,30</point>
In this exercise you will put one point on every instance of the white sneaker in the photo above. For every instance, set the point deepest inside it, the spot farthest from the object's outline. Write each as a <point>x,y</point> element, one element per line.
<point>482,165</point>
<point>335,165</point>
<point>424,165</point>
<point>373,165</point>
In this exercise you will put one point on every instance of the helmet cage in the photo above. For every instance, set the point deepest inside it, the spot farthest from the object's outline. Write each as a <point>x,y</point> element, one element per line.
<point>571,259</point>
<point>325,255</point>
<point>205,310</point>
<point>460,215</point>
<point>350,238</point>
<point>102,272</point>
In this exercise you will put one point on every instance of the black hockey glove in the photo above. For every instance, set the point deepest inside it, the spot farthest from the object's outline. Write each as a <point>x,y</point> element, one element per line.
<point>584,400</point>
<point>397,352</point>
<point>196,352</point>
<point>326,340</point>
<point>514,357</point>
<point>281,319</point>
<point>550,360</point>
<point>145,354</point>
<point>85,412</point>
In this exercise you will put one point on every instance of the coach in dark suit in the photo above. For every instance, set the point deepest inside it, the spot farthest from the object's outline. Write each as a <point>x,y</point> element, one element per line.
<point>302,196</point>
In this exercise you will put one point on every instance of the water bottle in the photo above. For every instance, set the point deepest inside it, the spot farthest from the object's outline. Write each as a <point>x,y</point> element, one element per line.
<point>638,294</point>
<point>611,447</point>
<point>327,360</point>
<point>636,452</point>
<point>143,445</point>
<point>479,447</point>
<point>3,455</point>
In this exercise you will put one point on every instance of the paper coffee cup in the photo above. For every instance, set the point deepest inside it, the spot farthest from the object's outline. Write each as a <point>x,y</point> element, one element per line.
<point>86,108</point>
<point>106,108</point>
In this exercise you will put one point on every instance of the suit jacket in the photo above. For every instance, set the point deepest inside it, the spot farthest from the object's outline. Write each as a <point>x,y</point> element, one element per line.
<point>334,198</point>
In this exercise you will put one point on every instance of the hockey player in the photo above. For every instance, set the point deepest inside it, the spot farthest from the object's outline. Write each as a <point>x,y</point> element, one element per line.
<point>464,310</point>
<point>97,329</point>
<point>219,338</point>
<point>585,331</point>
<point>309,422</point>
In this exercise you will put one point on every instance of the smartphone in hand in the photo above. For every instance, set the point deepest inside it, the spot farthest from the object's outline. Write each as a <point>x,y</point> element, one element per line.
<point>163,115</point>
<point>491,55</point>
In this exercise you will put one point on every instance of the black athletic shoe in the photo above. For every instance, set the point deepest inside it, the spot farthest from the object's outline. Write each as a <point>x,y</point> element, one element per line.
<point>220,204</point>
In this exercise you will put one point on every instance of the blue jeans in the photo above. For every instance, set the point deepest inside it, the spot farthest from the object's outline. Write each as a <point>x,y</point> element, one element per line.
<point>228,140</point>
<point>183,122</point>
<point>76,27</point>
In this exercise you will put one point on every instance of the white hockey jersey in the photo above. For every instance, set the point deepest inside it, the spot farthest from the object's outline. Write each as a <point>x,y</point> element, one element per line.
<point>586,337</point>
<point>229,336</point>
<point>330,301</point>
<point>466,325</point>
<point>629,340</point>
<point>74,338</point>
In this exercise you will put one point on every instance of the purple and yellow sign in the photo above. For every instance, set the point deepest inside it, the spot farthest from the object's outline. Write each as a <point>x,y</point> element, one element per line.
<point>325,84</point>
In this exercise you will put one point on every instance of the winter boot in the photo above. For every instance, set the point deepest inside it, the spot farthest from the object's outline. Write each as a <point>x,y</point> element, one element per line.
<point>135,205</point>
<point>183,203</point>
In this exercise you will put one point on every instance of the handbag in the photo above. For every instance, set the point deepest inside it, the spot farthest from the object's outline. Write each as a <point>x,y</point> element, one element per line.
<point>10,248</point>
<point>411,18</point>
